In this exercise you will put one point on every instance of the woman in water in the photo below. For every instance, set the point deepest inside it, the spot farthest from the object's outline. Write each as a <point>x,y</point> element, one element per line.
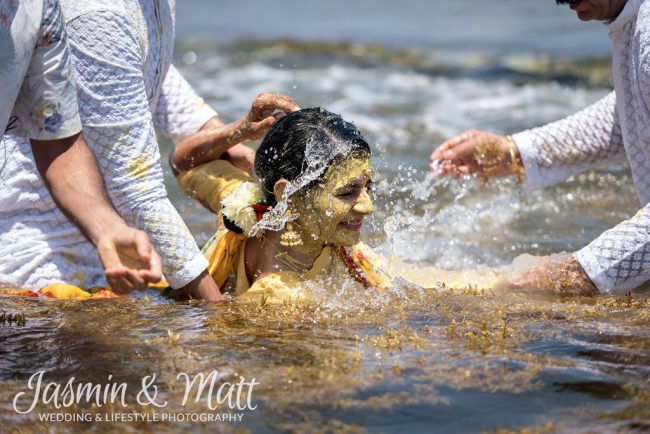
<point>299,220</point>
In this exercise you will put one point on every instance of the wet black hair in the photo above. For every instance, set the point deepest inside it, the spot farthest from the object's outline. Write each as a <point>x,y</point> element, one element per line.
<point>282,152</point>
<point>565,2</point>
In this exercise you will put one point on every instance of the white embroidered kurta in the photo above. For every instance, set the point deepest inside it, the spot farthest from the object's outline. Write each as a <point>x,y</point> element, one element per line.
<point>617,125</point>
<point>121,52</point>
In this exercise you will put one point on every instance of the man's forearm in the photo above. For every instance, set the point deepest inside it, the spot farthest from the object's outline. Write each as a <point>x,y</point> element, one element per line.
<point>71,173</point>
<point>208,144</point>
<point>203,288</point>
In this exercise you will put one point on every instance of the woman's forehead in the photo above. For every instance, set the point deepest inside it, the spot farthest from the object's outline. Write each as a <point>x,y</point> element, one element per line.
<point>349,171</point>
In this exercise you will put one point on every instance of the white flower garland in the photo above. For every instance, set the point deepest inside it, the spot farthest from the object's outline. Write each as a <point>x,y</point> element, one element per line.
<point>237,206</point>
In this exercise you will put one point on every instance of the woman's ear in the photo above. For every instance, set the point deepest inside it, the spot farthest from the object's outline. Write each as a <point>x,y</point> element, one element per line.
<point>278,189</point>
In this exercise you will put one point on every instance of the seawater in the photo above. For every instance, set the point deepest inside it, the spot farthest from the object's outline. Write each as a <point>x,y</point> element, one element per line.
<point>432,359</point>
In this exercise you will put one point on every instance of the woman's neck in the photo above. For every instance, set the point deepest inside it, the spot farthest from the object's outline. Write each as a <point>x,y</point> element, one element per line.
<point>267,255</point>
<point>306,253</point>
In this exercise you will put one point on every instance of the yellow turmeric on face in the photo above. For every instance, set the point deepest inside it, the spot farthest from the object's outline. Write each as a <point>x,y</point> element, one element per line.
<point>333,212</point>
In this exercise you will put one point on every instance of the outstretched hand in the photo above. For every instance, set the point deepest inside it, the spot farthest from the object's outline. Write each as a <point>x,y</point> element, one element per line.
<point>473,152</point>
<point>559,274</point>
<point>129,260</point>
<point>264,112</point>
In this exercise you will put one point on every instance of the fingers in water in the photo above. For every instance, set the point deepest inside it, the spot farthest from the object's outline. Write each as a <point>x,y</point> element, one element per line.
<point>465,170</point>
<point>437,154</point>
<point>154,274</point>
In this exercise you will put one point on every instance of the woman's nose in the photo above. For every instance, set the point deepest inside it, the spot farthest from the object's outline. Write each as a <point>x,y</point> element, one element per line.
<point>364,204</point>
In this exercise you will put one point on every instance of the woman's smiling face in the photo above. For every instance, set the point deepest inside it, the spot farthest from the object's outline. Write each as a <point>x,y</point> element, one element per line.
<point>333,212</point>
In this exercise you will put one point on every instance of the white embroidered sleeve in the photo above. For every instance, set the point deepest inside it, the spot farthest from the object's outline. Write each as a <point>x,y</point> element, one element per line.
<point>180,111</point>
<point>619,259</point>
<point>117,124</point>
<point>580,142</point>
<point>47,101</point>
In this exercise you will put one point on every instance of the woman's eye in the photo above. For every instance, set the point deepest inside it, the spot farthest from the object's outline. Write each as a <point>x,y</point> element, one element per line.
<point>355,191</point>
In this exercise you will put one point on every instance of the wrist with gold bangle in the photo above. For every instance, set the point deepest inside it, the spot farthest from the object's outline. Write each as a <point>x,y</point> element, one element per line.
<point>515,164</point>
<point>488,157</point>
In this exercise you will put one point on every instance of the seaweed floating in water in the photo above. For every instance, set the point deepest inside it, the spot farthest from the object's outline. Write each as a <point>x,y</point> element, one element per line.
<point>18,319</point>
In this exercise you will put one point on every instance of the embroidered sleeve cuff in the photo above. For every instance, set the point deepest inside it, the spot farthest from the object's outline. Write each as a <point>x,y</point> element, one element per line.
<point>189,272</point>
<point>603,272</point>
<point>596,273</point>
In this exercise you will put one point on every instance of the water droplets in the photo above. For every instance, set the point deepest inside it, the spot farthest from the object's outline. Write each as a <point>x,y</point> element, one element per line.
<point>189,58</point>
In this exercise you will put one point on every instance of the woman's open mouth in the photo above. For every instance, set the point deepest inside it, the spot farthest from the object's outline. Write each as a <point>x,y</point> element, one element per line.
<point>352,225</point>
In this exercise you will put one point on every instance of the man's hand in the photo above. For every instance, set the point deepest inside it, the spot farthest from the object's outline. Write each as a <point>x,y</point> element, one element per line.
<point>557,275</point>
<point>474,152</point>
<point>129,260</point>
<point>261,115</point>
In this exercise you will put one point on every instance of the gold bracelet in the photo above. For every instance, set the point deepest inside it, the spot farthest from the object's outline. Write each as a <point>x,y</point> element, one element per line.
<point>516,168</point>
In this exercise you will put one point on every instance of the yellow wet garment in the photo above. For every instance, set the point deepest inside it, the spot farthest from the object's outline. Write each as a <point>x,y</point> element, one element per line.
<point>222,255</point>
<point>70,292</point>
<point>64,291</point>
<point>226,256</point>
<point>209,183</point>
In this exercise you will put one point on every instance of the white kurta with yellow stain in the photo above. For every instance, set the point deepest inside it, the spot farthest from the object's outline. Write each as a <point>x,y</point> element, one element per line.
<point>122,54</point>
